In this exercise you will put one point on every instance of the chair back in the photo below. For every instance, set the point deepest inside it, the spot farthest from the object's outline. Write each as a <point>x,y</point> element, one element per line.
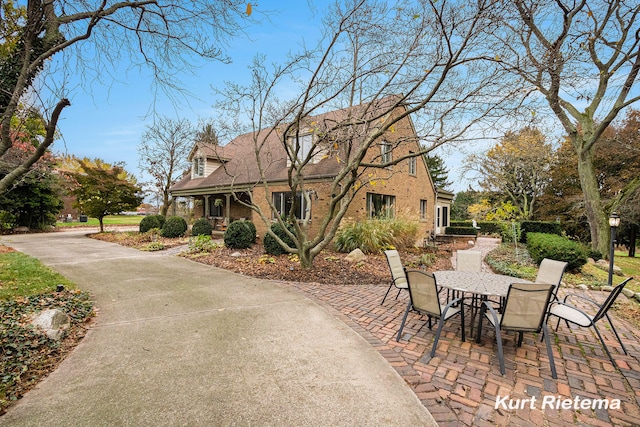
<point>469,261</point>
<point>606,305</point>
<point>526,306</point>
<point>551,271</point>
<point>398,274</point>
<point>423,291</point>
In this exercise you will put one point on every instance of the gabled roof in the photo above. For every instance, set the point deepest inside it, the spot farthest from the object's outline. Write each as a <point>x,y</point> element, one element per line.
<point>239,167</point>
<point>211,151</point>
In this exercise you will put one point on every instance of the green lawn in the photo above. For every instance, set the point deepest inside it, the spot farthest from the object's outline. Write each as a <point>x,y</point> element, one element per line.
<point>108,220</point>
<point>503,261</point>
<point>21,275</point>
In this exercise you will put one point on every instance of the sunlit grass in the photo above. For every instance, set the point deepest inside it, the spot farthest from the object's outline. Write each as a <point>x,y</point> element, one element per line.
<point>108,220</point>
<point>21,275</point>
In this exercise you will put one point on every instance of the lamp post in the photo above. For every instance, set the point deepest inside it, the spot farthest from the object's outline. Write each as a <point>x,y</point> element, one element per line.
<point>614,223</point>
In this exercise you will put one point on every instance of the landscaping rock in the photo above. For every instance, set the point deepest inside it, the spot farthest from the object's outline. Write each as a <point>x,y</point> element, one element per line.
<point>604,265</point>
<point>606,288</point>
<point>637,296</point>
<point>236,254</point>
<point>583,287</point>
<point>628,293</point>
<point>355,255</point>
<point>52,322</point>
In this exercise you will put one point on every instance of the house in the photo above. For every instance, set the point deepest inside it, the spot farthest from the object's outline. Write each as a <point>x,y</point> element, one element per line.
<point>224,179</point>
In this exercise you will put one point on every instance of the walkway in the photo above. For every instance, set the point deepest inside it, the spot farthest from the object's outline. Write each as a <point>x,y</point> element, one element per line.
<point>461,385</point>
<point>179,343</point>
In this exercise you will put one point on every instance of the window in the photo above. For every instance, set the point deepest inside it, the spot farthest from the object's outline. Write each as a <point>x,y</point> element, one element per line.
<point>412,165</point>
<point>385,151</point>
<point>284,200</point>
<point>380,205</point>
<point>215,209</point>
<point>423,210</point>
<point>198,167</point>
<point>306,145</point>
<point>445,216</point>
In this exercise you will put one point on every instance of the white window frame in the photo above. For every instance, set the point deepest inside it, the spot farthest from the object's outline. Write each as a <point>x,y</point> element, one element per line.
<point>413,165</point>
<point>423,209</point>
<point>385,152</point>
<point>198,167</point>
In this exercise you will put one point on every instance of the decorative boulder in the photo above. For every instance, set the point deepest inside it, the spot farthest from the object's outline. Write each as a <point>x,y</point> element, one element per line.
<point>355,255</point>
<point>52,322</point>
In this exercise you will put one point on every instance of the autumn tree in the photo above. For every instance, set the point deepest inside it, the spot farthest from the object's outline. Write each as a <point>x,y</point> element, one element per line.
<point>580,59</point>
<point>163,154</point>
<point>101,189</point>
<point>164,36</point>
<point>377,64</point>
<point>518,167</point>
<point>617,164</point>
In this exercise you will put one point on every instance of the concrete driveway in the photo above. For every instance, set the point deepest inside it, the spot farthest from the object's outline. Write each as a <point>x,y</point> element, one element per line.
<point>180,343</point>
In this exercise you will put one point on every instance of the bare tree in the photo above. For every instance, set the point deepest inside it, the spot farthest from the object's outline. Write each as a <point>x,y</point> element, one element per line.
<point>163,154</point>
<point>581,59</point>
<point>90,36</point>
<point>376,65</point>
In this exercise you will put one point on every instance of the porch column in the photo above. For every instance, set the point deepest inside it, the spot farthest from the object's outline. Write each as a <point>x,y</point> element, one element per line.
<point>206,206</point>
<point>227,205</point>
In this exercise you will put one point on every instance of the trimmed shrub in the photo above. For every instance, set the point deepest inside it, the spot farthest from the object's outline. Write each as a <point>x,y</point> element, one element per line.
<point>546,227</point>
<point>239,235</point>
<point>461,231</point>
<point>252,228</point>
<point>271,245</point>
<point>201,227</point>
<point>541,245</point>
<point>151,221</point>
<point>175,226</point>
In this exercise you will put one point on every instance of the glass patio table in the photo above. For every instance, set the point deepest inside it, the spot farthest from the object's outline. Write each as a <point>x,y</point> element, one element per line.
<point>481,286</point>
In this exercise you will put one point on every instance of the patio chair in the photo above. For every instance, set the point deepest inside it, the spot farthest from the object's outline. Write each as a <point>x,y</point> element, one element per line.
<point>524,310</point>
<point>398,273</point>
<point>469,261</point>
<point>571,314</point>
<point>551,271</point>
<point>423,298</point>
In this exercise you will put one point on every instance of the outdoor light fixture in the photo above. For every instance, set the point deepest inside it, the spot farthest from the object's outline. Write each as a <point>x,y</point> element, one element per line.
<point>614,223</point>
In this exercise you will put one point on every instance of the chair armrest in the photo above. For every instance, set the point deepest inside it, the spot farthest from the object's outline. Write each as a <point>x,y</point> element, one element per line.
<point>582,297</point>
<point>573,307</point>
<point>492,311</point>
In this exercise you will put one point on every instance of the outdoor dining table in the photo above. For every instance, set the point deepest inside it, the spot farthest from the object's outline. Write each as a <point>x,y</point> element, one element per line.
<point>481,285</point>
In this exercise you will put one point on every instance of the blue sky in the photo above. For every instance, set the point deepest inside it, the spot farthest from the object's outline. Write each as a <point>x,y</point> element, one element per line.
<point>108,122</point>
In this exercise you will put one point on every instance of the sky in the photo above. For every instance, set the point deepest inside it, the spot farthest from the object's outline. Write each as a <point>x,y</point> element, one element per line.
<point>108,120</point>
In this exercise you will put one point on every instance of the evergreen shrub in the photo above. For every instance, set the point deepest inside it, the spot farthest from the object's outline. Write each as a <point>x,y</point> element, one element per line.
<point>547,227</point>
<point>174,226</point>
<point>239,235</point>
<point>201,227</point>
<point>271,245</point>
<point>151,221</point>
<point>542,245</point>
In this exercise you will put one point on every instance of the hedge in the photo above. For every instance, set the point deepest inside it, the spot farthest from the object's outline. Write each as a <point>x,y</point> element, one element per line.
<point>546,227</point>
<point>461,231</point>
<point>542,245</point>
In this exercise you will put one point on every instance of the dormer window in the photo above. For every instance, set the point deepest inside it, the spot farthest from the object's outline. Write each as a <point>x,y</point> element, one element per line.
<point>198,167</point>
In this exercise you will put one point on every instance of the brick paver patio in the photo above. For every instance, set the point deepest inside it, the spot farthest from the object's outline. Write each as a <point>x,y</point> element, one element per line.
<point>462,384</point>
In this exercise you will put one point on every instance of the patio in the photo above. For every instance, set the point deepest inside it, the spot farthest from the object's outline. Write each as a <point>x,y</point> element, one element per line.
<point>462,384</point>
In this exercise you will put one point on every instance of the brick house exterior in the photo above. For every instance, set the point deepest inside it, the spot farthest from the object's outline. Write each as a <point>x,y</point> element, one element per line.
<point>222,175</point>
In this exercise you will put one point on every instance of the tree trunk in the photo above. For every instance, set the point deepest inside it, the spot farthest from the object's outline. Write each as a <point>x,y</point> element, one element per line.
<point>633,232</point>
<point>598,222</point>
<point>101,224</point>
